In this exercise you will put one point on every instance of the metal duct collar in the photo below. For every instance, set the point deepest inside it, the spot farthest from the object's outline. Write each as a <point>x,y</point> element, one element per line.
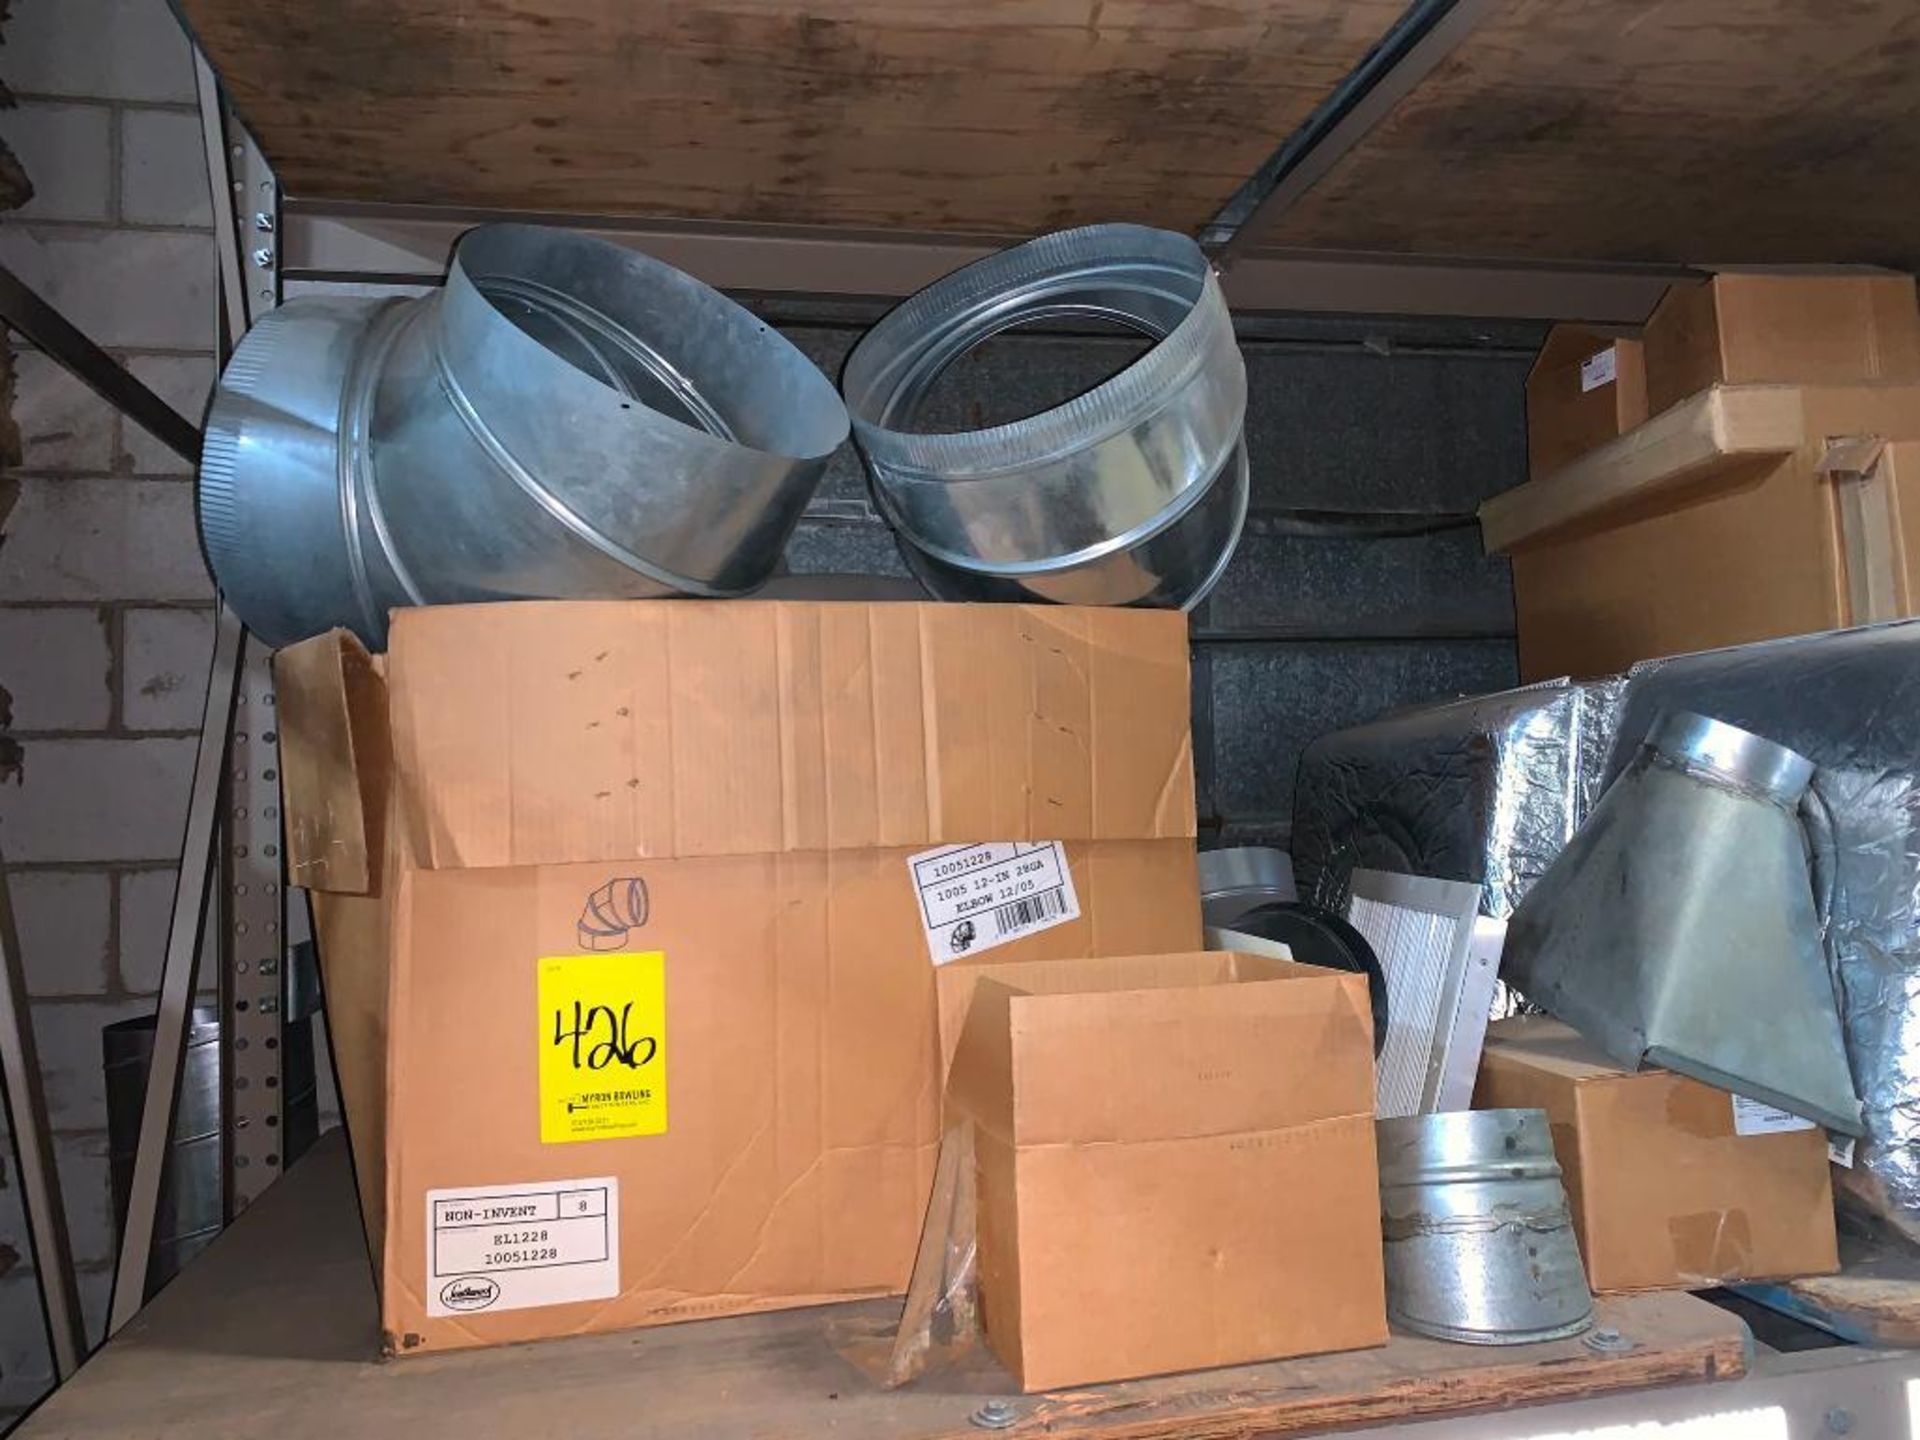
<point>1678,926</point>
<point>1479,1243</point>
<point>566,418</point>
<point>1242,878</point>
<point>1132,493</point>
<point>1733,754</point>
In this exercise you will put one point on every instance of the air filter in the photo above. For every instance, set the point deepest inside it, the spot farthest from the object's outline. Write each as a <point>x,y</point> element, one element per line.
<point>1439,958</point>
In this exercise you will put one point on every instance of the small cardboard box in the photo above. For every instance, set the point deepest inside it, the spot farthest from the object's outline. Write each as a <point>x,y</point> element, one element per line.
<point>629,916</point>
<point>1673,1184</point>
<point>1754,328</point>
<point>1175,1162</point>
<point>1585,389</point>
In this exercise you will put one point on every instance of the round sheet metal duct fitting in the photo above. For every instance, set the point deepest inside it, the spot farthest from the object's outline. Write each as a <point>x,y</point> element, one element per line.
<point>566,418</point>
<point>1133,493</point>
<point>1239,878</point>
<point>1735,756</point>
<point>1479,1242</point>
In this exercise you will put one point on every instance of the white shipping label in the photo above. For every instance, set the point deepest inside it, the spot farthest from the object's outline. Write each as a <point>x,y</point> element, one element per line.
<point>1840,1150</point>
<point>506,1247</point>
<point>1750,1117</point>
<point>1598,369</point>
<point>974,897</point>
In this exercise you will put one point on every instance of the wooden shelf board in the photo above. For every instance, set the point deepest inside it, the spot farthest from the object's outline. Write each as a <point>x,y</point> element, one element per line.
<point>1874,1300</point>
<point>999,119</point>
<point>274,1332</point>
<point>1725,430</point>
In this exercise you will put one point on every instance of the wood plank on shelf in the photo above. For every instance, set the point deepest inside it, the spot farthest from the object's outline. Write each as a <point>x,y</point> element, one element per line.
<point>1722,431</point>
<point>1873,1300</point>
<point>999,117</point>
<point>274,1332</point>
<point>1680,131</point>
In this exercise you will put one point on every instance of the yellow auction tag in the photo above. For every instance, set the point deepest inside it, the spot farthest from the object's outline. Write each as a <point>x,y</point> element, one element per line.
<point>603,1046</point>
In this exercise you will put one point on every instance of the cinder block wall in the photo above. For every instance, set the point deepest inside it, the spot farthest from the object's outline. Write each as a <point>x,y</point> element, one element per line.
<point>105,625</point>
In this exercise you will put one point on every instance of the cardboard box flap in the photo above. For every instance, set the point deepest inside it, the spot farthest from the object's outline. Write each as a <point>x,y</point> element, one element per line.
<point>551,732</point>
<point>1567,345</point>
<point>1144,1048</point>
<point>335,761</point>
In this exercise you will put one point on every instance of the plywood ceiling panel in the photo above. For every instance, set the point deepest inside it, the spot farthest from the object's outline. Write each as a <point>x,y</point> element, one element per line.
<point>1688,131</point>
<point>993,117</point>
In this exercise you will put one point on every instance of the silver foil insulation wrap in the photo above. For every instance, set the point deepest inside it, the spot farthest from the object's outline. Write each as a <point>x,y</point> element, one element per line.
<point>1486,790</point>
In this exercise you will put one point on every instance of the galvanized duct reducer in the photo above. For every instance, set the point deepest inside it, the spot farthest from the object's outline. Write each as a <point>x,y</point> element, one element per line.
<point>565,418</point>
<point>1478,1237</point>
<point>1679,927</point>
<point>1133,493</point>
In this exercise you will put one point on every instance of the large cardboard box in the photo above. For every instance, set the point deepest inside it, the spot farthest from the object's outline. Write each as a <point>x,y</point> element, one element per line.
<point>1801,329</point>
<point>1175,1162</point>
<point>1753,553</point>
<point>1586,387</point>
<point>1673,1184</point>
<point>629,916</point>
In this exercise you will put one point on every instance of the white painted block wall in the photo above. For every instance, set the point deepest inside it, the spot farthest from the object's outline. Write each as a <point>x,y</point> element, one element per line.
<point>105,618</point>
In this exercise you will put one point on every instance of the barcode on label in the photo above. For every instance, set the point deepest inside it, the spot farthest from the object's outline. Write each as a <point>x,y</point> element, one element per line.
<point>1024,914</point>
<point>974,897</point>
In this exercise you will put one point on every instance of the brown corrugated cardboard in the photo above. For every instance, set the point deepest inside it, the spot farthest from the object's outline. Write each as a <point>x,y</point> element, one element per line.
<point>670,842</point>
<point>1175,1161</point>
<point>1585,388</point>
<point>1876,493</point>
<point>1751,327</point>
<point>1752,555</point>
<point>1665,1193</point>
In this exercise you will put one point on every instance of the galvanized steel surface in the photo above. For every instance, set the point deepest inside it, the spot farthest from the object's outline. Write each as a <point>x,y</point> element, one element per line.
<point>1736,756</point>
<point>1479,1242</point>
<point>1850,702</point>
<point>1132,493</point>
<point>192,1205</point>
<point>565,418</point>
<point>1240,878</point>
<point>1678,927</point>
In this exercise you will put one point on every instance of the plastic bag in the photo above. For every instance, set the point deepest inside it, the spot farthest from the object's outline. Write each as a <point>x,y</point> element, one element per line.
<point>940,1321</point>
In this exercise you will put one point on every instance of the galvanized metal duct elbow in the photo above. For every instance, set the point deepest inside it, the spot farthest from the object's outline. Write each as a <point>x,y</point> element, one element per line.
<point>566,418</point>
<point>1132,493</point>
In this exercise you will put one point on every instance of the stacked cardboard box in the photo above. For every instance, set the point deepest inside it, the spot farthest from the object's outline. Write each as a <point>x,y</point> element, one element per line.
<point>1586,387</point>
<point>1166,1137</point>
<point>629,917</point>
<point>1673,1184</point>
<point>635,921</point>
<point>1814,538</point>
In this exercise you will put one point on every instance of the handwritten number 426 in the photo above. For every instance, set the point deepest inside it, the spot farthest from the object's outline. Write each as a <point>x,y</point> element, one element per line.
<point>612,1042</point>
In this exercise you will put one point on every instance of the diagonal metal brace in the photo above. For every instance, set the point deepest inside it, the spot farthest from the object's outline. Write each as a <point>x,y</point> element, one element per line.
<point>53,333</point>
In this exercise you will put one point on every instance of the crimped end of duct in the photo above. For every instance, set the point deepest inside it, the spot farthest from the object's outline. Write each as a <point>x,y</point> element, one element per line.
<point>1169,291</point>
<point>219,499</point>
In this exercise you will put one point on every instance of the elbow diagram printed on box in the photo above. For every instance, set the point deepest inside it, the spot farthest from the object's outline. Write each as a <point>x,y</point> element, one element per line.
<point>975,897</point>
